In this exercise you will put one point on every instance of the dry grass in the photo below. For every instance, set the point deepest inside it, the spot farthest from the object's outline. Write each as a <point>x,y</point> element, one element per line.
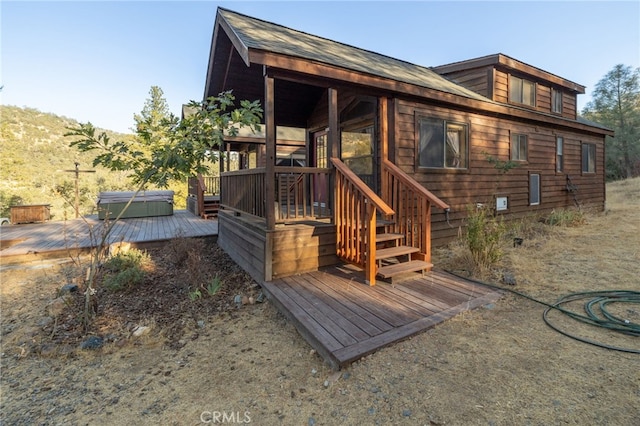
<point>497,365</point>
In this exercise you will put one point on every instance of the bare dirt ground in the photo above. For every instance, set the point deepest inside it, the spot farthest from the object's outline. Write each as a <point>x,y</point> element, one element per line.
<point>208,361</point>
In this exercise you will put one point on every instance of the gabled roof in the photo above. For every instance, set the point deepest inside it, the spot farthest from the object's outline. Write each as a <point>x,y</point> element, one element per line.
<point>243,48</point>
<point>259,35</point>
<point>502,60</point>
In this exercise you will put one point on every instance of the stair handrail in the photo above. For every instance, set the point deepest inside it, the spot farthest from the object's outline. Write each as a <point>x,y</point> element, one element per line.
<point>355,220</point>
<point>409,181</point>
<point>413,214</point>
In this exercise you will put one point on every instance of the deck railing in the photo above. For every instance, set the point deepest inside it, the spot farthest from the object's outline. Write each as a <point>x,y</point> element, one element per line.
<point>302,193</point>
<point>411,203</point>
<point>244,191</point>
<point>356,210</point>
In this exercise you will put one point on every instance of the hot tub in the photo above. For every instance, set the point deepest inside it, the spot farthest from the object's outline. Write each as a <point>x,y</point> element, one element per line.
<point>145,204</point>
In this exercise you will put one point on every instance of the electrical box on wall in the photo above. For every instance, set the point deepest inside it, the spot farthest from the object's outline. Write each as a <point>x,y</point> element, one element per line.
<point>501,204</point>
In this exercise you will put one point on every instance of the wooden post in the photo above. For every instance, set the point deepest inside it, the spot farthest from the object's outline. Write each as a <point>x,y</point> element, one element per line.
<point>270,141</point>
<point>77,172</point>
<point>370,263</point>
<point>384,149</point>
<point>333,140</point>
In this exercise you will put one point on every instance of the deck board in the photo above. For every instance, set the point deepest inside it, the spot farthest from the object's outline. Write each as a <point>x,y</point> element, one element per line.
<point>23,243</point>
<point>344,319</point>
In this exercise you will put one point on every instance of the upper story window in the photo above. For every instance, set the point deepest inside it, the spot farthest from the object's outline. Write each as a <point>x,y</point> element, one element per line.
<point>556,101</point>
<point>519,147</point>
<point>522,91</point>
<point>442,144</point>
<point>588,158</point>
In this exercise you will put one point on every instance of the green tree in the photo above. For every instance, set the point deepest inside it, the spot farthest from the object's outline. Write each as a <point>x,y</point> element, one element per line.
<point>183,151</point>
<point>155,120</point>
<point>616,104</point>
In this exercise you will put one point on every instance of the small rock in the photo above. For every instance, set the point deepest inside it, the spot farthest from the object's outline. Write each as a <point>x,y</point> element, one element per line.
<point>326,383</point>
<point>406,413</point>
<point>141,330</point>
<point>312,421</point>
<point>346,375</point>
<point>375,389</point>
<point>245,300</point>
<point>251,300</point>
<point>237,300</point>
<point>200,324</point>
<point>314,371</point>
<point>93,342</point>
<point>371,411</point>
<point>508,278</point>
<point>68,288</point>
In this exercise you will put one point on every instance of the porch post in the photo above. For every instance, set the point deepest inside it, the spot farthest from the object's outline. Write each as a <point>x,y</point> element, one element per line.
<point>333,138</point>
<point>334,130</point>
<point>384,128</point>
<point>270,142</point>
<point>383,118</point>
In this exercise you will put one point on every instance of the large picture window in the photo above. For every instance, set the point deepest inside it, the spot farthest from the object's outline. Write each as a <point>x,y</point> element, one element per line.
<point>522,91</point>
<point>442,144</point>
<point>588,158</point>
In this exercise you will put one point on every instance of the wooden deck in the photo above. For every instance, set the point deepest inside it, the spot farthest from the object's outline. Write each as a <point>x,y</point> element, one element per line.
<point>344,319</point>
<point>22,243</point>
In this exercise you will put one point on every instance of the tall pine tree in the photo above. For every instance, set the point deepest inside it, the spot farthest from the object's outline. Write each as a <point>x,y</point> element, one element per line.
<point>616,104</point>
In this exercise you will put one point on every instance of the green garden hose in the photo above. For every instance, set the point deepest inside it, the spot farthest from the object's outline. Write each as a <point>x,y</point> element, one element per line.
<point>596,312</point>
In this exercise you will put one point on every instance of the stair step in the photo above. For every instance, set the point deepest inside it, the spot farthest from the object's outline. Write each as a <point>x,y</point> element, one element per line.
<point>386,253</point>
<point>381,238</point>
<point>390,271</point>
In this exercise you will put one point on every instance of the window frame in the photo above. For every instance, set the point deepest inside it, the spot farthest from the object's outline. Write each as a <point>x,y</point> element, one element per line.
<point>591,155</point>
<point>539,191</point>
<point>445,125</point>
<point>559,154</point>
<point>520,81</point>
<point>512,145</point>
<point>556,101</point>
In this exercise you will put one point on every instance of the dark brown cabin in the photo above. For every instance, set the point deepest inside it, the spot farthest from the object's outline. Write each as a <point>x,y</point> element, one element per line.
<point>391,154</point>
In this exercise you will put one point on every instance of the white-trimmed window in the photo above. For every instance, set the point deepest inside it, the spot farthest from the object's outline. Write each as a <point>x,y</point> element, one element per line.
<point>522,91</point>
<point>559,153</point>
<point>442,144</point>
<point>588,158</point>
<point>534,189</point>
<point>519,147</point>
<point>556,101</point>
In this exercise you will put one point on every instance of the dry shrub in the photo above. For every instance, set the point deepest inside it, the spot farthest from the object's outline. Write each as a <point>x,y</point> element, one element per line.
<point>188,254</point>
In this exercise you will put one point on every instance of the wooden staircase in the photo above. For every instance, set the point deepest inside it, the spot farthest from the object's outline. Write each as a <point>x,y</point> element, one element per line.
<point>210,206</point>
<point>386,235</point>
<point>395,259</point>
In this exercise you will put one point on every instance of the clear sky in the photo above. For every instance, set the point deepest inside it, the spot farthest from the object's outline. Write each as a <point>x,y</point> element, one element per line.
<point>96,61</point>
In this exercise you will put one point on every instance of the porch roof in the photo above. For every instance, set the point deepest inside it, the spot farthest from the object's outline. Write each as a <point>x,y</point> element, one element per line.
<point>266,36</point>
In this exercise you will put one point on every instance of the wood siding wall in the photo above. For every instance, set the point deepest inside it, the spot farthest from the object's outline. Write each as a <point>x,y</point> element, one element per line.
<point>476,79</point>
<point>481,182</point>
<point>494,84</point>
<point>543,94</point>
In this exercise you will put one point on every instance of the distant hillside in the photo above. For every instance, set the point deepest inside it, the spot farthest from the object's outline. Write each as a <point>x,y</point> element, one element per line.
<point>34,155</point>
